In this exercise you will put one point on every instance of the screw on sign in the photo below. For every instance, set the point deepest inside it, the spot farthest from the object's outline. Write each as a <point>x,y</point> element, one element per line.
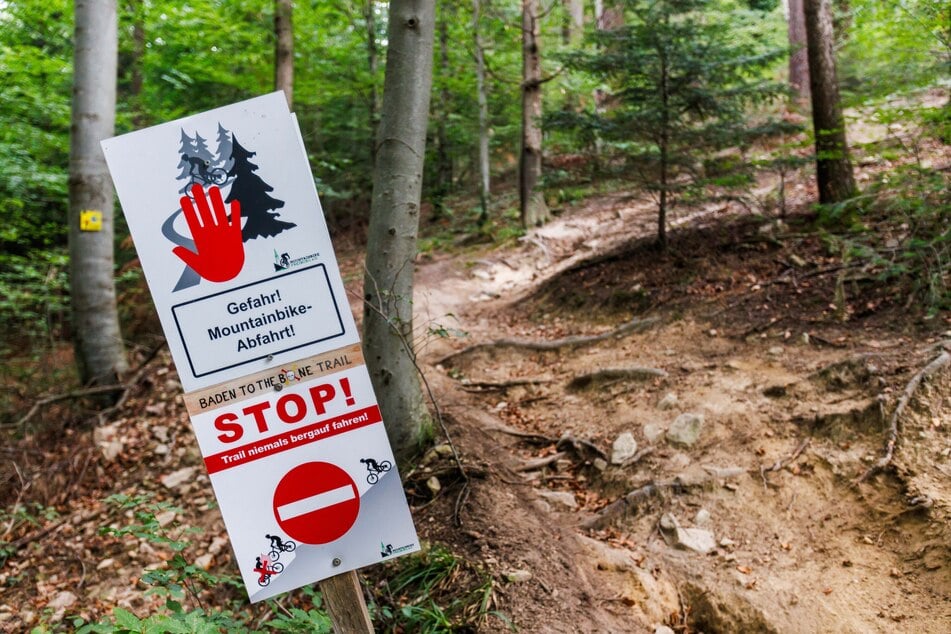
<point>316,502</point>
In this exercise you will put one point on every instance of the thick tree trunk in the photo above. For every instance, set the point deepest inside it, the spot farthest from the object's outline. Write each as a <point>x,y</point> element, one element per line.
<point>484,182</point>
<point>284,49</point>
<point>100,354</point>
<point>531,203</point>
<point>833,168</point>
<point>798,57</point>
<point>394,223</point>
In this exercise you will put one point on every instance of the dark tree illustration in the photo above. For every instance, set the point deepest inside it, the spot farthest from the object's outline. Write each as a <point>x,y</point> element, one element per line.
<point>256,204</point>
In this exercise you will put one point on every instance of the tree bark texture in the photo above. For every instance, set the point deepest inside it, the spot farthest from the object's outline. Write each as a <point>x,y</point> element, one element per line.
<point>483,101</point>
<point>369,16</point>
<point>394,222</point>
<point>798,57</point>
<point>534,211</point>
<point>833,168</point>
<point>284,49</point>
<point>443,183</point>
<point>100,354</point>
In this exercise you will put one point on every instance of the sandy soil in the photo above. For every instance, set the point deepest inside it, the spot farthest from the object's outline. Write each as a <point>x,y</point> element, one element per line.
<point>787,424</point>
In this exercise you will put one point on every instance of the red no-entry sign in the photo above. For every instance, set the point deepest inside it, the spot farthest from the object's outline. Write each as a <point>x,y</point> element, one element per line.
<point>316,503</point>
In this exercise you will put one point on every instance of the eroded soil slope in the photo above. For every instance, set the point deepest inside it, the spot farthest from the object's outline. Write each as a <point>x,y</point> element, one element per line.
<point>704,460</point>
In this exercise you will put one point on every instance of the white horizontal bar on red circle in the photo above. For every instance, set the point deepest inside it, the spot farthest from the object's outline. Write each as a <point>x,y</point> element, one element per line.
<point>315,502</point>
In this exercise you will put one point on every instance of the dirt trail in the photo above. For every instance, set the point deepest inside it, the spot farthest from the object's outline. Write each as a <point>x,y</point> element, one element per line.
<point>750,445</point>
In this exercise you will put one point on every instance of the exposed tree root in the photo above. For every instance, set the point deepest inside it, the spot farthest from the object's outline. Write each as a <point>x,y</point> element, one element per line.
<point>480,386</point>
<point>785,462</point>
<point>893,424</point>
<point>635,325</point>
<point>122,388</point>
<point>631,373</point>
<point>538,463</point>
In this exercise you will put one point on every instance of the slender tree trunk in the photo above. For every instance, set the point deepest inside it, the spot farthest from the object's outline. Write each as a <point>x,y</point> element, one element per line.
<point>100,354</point>
<point>369,16</point>
<point>443,155</point>
<point>394,223</point>
<point>664,144</point>
<point>531,202</point>
<point>798,57</point>
<point>484,176</point>
<point>136,81</point>
<point>284,49</point>
<point>833,168</point>
<point>573,26</point>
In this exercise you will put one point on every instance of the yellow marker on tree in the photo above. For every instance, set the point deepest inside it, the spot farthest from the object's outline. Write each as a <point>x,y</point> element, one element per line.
<point>90,220</point>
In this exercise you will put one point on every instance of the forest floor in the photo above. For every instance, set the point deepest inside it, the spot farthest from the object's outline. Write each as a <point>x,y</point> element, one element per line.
<point>650,439</point>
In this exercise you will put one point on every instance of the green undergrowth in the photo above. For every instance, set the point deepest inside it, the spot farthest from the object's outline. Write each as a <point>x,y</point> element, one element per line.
<point>436,591</point>
<point>427,592</point>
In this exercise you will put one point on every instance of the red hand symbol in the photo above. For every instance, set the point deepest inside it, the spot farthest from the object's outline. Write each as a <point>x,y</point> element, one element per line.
<point>219,251</point>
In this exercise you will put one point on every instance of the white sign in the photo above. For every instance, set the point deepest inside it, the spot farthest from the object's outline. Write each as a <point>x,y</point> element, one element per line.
<point>181,185</point>
<point>237,255</point>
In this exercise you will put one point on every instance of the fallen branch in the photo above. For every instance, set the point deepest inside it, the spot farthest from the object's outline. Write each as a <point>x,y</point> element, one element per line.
<point>538,463</point>
<point>56,398</point>
<point>784,462</point>
<point>622,505</point>
<point>632,373</point>
<point>476,386</point>
<point>536,439</point>
<point>635,325</point>
<point>579,445</point>
<point>893,428</point>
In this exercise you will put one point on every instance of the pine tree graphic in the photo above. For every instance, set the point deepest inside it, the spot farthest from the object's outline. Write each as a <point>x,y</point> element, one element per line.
<point>225,161</point>
<point>187,148</point>
<point>252,192</point>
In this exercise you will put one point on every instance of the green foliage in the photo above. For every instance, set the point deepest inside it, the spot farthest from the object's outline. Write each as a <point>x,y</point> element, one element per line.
<point>436,591</point>
<point>182,585</point>
<point>680,79</point>
<point>36,67</point>
<point>894,45</point>
<point>34,297</point>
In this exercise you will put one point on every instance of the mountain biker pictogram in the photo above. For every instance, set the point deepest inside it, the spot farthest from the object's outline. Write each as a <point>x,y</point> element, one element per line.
<point>266,570</point>
<point>279,546</point>
<point>230,169</point>
<point>375,469</point>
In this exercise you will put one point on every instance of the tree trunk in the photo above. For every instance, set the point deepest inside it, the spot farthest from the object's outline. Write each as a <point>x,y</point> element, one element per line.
<point>284,49</point>
<point>573,27</point>
<point>484,190</point>
<point>100,355</point>
<point>833,168</point>
<point>531,203</point>
<point>798,57</point>
<point>443,183</point>
<point>372,63</point>
<point>136,81</point>
<point>394,223</point>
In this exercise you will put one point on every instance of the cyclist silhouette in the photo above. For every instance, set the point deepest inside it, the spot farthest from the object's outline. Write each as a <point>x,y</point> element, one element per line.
<point>199,167</point>
<point>374,469</point>
<point>262,569</point>
<point>266,571</point>
<point>276,542</point>
<point>372,465</point>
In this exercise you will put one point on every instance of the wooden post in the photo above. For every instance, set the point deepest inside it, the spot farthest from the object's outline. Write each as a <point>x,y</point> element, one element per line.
<point>343,599</point>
